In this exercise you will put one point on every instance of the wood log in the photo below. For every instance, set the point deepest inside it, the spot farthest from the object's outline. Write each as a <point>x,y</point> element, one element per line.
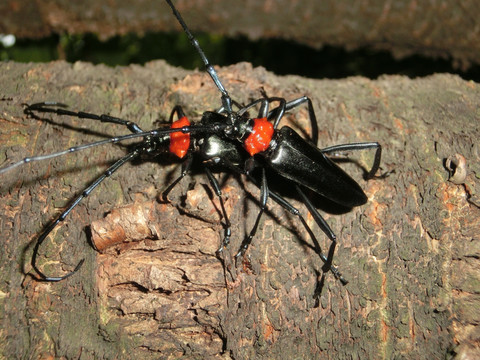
<point>411,254</point>
<point>447,30</point>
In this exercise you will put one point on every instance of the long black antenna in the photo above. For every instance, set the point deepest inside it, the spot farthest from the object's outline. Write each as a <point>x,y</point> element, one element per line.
<point>226,99</point>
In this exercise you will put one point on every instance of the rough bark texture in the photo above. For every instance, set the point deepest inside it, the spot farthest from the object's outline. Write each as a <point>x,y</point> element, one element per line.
<point>447,29</point>
<point>411,253</point>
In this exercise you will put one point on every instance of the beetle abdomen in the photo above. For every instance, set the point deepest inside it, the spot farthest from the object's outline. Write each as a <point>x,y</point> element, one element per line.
<point>300,161</point>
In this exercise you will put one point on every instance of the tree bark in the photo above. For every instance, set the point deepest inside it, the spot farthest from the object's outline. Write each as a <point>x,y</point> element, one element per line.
<point>411,254</point>
<point>448,29</point>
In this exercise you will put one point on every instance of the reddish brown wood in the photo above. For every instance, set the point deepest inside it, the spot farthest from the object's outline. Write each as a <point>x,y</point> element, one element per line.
<point>447,29</point>
<point>411,253</point>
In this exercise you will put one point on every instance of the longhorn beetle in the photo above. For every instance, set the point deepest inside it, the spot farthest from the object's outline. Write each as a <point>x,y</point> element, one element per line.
<point>238,143</point>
